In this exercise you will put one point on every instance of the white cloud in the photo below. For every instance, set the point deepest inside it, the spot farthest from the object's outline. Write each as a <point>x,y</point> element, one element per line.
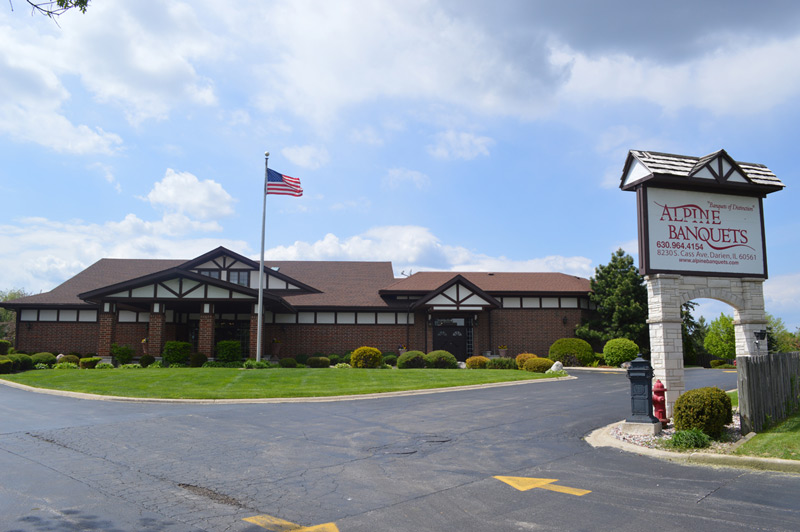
<point>366,135</point>
<point>311,157</point>
<point>398,177</point>
<point>183,193</point>
<point>417,248</point>
<point>39,254</point>
<point>454,145</point>
<point>715,81</point>
<point>782,293</point>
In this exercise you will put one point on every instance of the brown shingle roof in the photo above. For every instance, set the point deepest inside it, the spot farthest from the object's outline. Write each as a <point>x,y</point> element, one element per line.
<point>102,273</point>
<point>494,283</point>
<point>341,283</point>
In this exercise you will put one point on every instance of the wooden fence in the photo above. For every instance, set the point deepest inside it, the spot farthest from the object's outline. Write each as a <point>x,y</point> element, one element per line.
<point>769,389</point>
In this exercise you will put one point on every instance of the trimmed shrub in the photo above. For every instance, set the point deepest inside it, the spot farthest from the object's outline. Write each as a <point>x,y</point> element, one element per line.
<point>708,409</point>
<point>5,346</point>
<point>25,362</point>
<point>689,439</point>
<point>335,359</point>
<point>571,351</point>
<point>318,362</point>
<point>146,360</point>
<point>620,350</point>
<point>366,357</point>
<point>538,365</point>
<point>176,353</point>
<point>477,362</point>
<point>723,363</point>
<point>411,360</point>
<point>502,363</point>
<point>104,365</point>
<point>288,362</point>
<point>252,363</point>
<point>346,357</point>
<point>89,362</point>
<point>196,360</point>
<point>43,358</point>
<point>6,365</point>
<point>123,354</point>
<point>441,359</point>
<point>71,359</point>
<point>389,360</point>
<point>522,358</point>
<point>301,359</point>
<point>228,351</point>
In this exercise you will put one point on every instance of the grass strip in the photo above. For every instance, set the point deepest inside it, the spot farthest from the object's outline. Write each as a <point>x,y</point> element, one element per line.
<point>781,441</point>
<point>229,383</point>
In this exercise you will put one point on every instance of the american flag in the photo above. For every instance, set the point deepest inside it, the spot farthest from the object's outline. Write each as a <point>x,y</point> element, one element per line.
<point>283,184</point>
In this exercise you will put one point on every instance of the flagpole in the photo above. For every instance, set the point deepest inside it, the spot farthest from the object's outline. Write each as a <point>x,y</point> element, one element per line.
<point>261,263</point>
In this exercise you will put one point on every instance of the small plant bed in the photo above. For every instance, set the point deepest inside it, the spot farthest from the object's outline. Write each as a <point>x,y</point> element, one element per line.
<point>232,383</point>
<point>730,435</point>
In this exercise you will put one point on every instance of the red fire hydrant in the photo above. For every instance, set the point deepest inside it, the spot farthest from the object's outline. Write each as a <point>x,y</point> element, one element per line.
<point>660,402</point>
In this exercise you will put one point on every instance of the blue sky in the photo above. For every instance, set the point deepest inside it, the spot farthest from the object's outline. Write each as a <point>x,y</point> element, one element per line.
<point>452,135</point>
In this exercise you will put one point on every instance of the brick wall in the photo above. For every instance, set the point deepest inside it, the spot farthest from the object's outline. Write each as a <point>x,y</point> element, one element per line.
<point>530,330</point>
<point>57,337</point>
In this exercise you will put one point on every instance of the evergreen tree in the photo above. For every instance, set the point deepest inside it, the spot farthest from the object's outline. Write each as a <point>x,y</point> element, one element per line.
<point>693,333</point>
<point>620,295</point>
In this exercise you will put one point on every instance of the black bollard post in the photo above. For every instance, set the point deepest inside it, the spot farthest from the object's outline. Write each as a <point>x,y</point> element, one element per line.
<point>640,374</point>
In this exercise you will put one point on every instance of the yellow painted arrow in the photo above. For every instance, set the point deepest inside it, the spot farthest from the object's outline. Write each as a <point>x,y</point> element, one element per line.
<point>525,484</point>
<point>276,524</point>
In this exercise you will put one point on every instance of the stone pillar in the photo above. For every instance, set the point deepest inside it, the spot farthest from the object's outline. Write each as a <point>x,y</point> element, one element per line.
<point>666,341</point>
<point>155,335</point>
<point>205,340</point>
<point>751,318</point>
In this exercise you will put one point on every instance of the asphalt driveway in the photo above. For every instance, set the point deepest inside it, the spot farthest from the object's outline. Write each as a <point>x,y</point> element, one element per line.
<point>421,462</point>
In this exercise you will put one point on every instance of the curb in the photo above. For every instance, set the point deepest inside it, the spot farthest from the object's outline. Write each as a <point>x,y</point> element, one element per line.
<point>273,400</point>
<point>602,438</point>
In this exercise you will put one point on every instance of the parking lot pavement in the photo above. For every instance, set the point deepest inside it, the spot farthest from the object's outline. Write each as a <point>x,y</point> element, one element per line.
<point>422,462</point>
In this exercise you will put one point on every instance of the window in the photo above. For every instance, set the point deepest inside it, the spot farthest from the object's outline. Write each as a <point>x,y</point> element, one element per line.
<point>239,277</point>
<point>214,274</point>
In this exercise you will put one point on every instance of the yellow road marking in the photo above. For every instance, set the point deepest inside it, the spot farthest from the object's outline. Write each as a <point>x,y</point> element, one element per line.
<point>525,484</point>
<point>276,524</point>
<point>728,371</point>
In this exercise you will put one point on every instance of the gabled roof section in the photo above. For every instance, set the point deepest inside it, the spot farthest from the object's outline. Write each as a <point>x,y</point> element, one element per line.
<point>102,273</point>
<point>716,170</point>
<point>493,283</point>
<point>223,258</point>
<point>459,294</point>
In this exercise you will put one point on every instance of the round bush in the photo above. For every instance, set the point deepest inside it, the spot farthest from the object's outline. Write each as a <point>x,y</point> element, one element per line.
<point>228,351</point>
<point>390,360</point>
<point>441,359</point>
<point>301,359</point>
<point>5,346</point>
<point>196,360</point>
<point>366,357</point>
<point>570,351</point>
<point>123,354</point>
<point>146,360</point>
<point>411,360</point>
<point>24,361</point>
<point>346,357</point>
<point>538,365</point>
<point>43,358</point>
<point>89,362</point>
<point>318,362</point>
<point>502,363</point>
<point>6,365</point>
<point>335,359</point>
<point>477,362</point>
<point>176,353</point>
<point>620,350</point>
<point>522,358</point>
<point>708,409</point>
<point>71,359</point>
<point>288,362</point>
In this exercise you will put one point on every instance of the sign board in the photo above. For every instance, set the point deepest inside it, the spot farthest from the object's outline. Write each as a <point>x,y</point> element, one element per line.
<point>701,233</point>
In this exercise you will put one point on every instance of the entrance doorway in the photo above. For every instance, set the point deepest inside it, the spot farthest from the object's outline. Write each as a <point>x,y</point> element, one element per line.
<point>454,335</point>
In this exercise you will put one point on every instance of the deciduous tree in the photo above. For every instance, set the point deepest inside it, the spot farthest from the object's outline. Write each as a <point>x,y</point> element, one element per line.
<point>720,340</point>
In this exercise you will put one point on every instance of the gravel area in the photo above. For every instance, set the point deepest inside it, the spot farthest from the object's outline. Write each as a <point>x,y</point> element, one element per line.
<point>731,434</point>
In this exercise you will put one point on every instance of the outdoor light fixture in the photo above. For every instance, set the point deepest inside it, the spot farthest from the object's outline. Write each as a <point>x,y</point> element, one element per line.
<point>564,320</point>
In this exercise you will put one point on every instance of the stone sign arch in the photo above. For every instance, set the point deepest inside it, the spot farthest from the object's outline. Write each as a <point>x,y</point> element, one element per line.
<point>701,235</point>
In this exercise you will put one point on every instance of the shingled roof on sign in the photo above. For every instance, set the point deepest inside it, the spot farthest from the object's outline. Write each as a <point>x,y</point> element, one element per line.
<point>716,170</point>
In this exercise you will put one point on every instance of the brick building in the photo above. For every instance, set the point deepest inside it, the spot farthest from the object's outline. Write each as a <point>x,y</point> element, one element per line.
<point>309,307</point>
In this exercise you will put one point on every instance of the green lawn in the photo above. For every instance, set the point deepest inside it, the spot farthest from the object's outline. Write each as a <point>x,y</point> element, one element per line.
<point>782,441</point>
<point>225,383</point>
